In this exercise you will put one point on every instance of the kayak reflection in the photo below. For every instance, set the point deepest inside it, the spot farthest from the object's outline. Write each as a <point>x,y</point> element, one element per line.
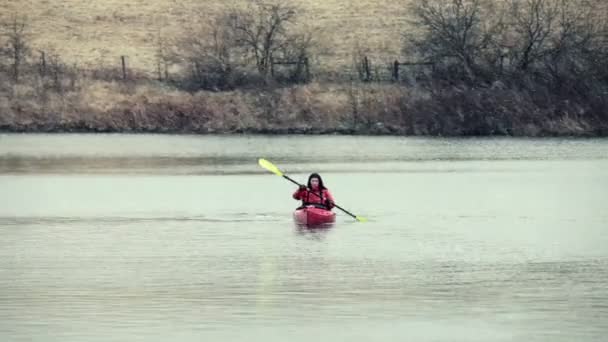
<point>314,232</point>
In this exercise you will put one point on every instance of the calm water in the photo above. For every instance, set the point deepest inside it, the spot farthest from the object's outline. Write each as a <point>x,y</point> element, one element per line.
<point>165,238</point>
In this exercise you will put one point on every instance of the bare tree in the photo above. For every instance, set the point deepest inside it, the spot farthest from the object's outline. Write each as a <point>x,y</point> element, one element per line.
<point>361,63</point>
<point>494,24</point>
<point>263,30</point>
<point>16,47</point>
<point>450,29</point>
<point>553,38</point>
<point>162,56</point>
<point>532,22</point>
<point>210,50</point>
<point>297,51</point>
<point>218,52</point>
<point>57,69</point>
<point>577,38</point>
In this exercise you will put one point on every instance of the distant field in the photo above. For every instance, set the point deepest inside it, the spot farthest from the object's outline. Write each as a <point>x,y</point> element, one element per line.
<point>91,33</point>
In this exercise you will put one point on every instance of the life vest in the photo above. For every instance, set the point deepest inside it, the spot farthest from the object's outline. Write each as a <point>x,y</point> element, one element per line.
<point>315,199</point>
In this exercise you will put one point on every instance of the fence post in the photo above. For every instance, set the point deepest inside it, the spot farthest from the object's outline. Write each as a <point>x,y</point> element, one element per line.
<point>42,64</point>
<point>396,71</point>
<point>124,67</point>
<point>272,67</point>
<point>502,63</point>
<point>306,69</point>
<point>366,68</point>
<point>73,75</point>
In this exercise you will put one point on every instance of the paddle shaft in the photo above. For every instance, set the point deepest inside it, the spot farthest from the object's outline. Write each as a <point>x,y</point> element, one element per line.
<point>335,205</point>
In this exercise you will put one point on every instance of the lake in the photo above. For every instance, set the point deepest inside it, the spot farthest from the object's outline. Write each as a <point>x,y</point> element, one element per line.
<point>185,238</point>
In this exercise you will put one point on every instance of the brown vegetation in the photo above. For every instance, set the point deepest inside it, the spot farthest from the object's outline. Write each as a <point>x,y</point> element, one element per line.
<point>517,67</point>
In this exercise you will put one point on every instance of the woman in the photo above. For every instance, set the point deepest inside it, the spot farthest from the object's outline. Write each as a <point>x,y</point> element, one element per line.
<point>315,194</point>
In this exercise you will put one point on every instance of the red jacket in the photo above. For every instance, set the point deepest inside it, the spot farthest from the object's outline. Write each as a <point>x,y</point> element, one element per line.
<point>307,197</point>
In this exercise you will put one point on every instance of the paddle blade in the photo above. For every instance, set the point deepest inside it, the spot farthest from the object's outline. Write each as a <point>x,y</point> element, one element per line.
<point>361,219</point>
<point>270,167</point>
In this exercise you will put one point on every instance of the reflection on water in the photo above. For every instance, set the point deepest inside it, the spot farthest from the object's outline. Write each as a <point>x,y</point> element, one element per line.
<point>192,155</point>
<point>316,233</point>
<point>161,238</point>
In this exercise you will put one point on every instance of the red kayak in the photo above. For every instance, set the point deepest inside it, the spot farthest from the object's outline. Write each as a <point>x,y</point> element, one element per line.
<point>313,216</point>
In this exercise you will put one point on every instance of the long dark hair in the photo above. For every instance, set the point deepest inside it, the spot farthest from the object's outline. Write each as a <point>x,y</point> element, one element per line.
<point>316,175</point>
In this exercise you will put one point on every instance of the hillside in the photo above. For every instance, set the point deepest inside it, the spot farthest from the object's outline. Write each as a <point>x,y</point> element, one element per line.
<point>98,32</point>
<point>489,77</point>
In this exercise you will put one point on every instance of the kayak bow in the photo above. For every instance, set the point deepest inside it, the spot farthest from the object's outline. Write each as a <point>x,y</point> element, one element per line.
<point>312,216</point>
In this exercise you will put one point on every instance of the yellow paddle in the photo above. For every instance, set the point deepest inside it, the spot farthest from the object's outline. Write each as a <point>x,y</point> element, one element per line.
<point>272,168</point>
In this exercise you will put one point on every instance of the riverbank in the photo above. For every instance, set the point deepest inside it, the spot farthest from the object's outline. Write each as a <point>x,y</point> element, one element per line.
<point>355,108</point>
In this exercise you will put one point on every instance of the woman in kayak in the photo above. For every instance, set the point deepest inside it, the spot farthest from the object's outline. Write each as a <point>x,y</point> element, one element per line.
<point>315,194</point>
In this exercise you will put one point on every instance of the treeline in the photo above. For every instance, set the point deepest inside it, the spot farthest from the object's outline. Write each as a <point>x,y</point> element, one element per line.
<point>559,43</point>
<point>543,59</point>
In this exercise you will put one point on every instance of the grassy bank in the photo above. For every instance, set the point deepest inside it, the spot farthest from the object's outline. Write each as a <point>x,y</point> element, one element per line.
<point>356,108</point>
<point>428,67</point>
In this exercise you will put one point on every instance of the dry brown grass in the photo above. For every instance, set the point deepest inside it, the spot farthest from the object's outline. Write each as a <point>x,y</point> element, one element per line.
<point>95,34</point>
<point>101,106</point>
<point>98,32</point>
